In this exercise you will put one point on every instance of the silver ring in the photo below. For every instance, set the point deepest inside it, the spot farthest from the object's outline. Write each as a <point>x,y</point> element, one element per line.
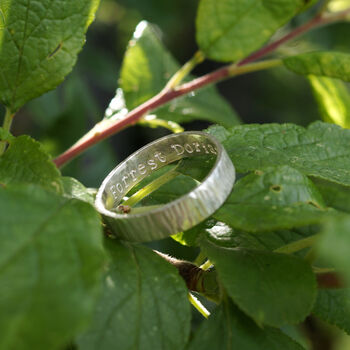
<point>180,214</point>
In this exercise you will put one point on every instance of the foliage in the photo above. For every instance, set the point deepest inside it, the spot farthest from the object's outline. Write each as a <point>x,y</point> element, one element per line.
<point>66,281</point>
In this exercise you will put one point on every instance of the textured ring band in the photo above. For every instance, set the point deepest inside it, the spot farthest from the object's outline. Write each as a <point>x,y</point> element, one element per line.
<point>180,214</point>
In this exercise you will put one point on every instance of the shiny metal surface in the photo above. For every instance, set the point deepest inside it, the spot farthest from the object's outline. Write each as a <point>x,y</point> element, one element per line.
<point>180,214</point>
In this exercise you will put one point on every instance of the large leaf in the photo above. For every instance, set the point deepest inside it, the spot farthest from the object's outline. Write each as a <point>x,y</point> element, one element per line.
<point>320,150</point>
<point>25,161</point>
<point>228,328</point>
<point>333,100</point>
<point>229,30</point>
<point>333,306</point>
<point>50,267</point>
<point>39,43</point>
<point>272,199</point>
<point>143,304</point>
<point>329,64</point>
<point>146,69</point>
<point>274,289</point>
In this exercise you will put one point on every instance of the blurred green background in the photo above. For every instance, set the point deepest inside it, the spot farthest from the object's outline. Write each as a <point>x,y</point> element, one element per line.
<point>62,116</point>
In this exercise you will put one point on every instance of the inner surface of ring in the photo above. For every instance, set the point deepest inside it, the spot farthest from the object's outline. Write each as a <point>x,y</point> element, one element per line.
<point>151,158</point>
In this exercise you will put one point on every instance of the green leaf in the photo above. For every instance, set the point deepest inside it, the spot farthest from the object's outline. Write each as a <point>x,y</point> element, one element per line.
<point>335,196</point>
<point>170,191</point>
<point>225,236</point>
<point>72,188</point>
<point>333,246</point>
<point>320,150</point>
<point>333,100</point>
<point>143,305</point>
<point>329,64</point>
<point>274,289</point>
<point>273,199</point>
<point>333,306</point>
<point>148,66</point>
<point>228,328</point>
<point>190,237</point>
<point>220,132</point>
<point>204,104</point>
<point>25,161</point>
<point>39,43</point>
<point>51,259</point>
<point>229,30</point>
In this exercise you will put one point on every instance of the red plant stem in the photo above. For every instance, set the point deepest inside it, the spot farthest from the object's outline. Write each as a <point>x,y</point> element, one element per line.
<point>329,280</point>
<point>167,95</point>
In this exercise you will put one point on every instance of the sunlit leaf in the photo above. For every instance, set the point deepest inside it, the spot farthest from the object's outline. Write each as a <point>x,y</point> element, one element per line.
<point>333,100</point>
<point>39,43</point>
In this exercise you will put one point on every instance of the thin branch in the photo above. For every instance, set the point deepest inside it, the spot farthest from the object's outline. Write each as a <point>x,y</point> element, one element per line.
<point>160,99</point>
<point>177,78</point>
<point>206,282</point>
<point>196,279</point>
<point>6,126</point>
<point>329,280</point>
<point>170,94</point>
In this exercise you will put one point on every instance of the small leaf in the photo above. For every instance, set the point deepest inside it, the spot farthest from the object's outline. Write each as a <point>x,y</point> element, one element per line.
<point>333,306</point>
<point>320,150</point>
<point>51,259</point>
<point>39,43</point>
<point>228,328</point>
<point>143,305</point>
<point>333,100</point>
<point>272,199</point>
<point>229,30</point>
<point>328,64</point>
<point>148,66</point>
<point>25,161</point>
<point>274,289</point>
<point>72,188</point>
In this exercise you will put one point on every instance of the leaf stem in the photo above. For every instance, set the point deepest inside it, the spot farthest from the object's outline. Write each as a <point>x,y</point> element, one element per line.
<point>167,95</point>
<point>310,256</point>
<point>200,258</point>
<point>6,126</point>
<point>315,22</point>
<point>177,78</point>
<point>153,122</point>
<point>198,305</point>
<point>207,265</point>
<point>151,187</point>
<point>298,245</point>
<point>237,69</point>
